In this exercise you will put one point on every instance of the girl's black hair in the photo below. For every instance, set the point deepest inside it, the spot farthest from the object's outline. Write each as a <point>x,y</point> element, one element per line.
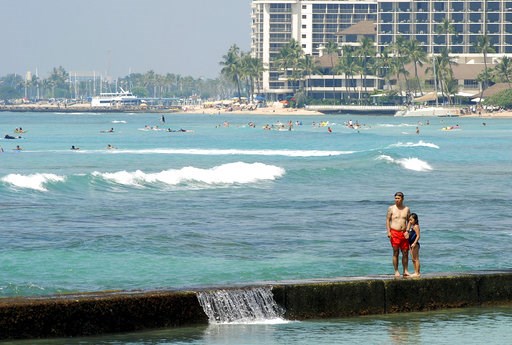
<point>415,216</point>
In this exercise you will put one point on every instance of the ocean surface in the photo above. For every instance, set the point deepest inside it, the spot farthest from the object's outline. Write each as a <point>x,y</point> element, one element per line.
<point>226,203</point>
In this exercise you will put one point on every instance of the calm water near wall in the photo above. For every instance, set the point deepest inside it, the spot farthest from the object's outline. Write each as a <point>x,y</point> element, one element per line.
<point>221,204</point>
<point>451,327</point>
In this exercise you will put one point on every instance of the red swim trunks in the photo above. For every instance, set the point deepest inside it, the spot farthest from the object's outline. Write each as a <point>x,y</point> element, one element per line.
<point>398,240</point>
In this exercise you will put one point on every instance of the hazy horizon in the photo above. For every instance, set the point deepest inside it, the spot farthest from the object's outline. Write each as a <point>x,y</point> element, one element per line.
<point>118,37</point>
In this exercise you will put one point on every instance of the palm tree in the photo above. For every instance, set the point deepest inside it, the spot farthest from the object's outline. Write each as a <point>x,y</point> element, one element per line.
<point>502,72</point>
<point>251,69</point>
<point>443,68</point>
<point>231,67</point>
<point>418,56</point>
<point>255,69</point>
<point>366,53</point>
<point>384,64</point>
<point>483,45</point>
<point>288,59</point>
<point>309,66</point>
<point>401,59</point>
<point>446,28</point>
<point>331,49</point>
<point>349,66</point>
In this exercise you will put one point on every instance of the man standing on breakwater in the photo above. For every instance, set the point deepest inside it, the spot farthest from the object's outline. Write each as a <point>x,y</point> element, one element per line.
<point>396,224</point>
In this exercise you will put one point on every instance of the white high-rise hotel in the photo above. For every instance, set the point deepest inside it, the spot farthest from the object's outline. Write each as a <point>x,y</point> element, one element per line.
<point>313,23</point>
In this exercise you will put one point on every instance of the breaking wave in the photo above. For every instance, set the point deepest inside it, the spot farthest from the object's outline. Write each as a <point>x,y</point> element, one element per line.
<point>32,181</point>
<point>225,174</point>
<point>219,152</point>
<point>414,164</point>
<point>420,143</point>
<point>231,173</point>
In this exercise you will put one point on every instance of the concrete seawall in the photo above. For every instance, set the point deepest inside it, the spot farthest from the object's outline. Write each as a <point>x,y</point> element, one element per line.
<point>109,312</point>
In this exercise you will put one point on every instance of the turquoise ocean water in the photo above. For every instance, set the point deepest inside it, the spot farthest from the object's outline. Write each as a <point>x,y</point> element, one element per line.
<point>220,205</point>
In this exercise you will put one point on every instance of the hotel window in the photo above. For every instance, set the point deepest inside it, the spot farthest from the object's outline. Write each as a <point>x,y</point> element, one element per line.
<point>494,40</point>
<point>386,29</point>
<point>422,6</point>
<point>303,36</point>
<point>475,17</point>
<point>422,29</point>
<point>475,28</point>
<point>458,6</point>
<point>360,8</point>
<point>386,39</point>
<point>422,17</point>
<point>439,6</point>
<point>440,39</point>
<point>456,49</point>
<point>344,8</point>
<point>332,8</point>
<point>304,26</point>
<point>386,7</point>
<point>475,6</point>
<point>493,6</point>
<point>404,7</point>
<point>439,17</point>
<point>404,28</point>
<point>422,39</point>
<point>404,18</point>
<point>304,16</point>
<point>458,17</point>
<point>304,7</point>
<point>493,17</point>
<point>493,28</point>
<point>386,18</point>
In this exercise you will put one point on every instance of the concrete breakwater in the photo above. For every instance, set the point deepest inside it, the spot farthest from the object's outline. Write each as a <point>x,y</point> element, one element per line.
<point>124,311</point>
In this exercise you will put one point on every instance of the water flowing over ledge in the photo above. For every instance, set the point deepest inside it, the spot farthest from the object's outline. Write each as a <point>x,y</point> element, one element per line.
<point>125,311</point>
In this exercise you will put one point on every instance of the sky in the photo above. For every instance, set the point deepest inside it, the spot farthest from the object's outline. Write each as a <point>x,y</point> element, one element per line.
<point>119,37</point>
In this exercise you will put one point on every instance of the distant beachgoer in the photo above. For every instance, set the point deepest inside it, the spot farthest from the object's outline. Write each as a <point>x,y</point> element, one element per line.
<point>413,236</point>
<point>110,147</point>
<point>417,130</point>
<point>73,147</point>
<point>111,130</point>
<point>18,148</point>
<point>329,129</point>
<point>7,136</point>
<point>396,223</point>
<point>163,119</point>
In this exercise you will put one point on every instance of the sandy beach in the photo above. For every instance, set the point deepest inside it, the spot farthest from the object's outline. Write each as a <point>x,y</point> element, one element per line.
<point>269,110</point>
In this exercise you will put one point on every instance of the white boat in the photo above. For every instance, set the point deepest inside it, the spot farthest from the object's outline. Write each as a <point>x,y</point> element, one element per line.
<point>428,111</point>
<point>115,99</point>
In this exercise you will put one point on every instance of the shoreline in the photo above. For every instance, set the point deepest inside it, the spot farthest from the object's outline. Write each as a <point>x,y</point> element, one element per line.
<point>47,108</point>
<point>263,111</point>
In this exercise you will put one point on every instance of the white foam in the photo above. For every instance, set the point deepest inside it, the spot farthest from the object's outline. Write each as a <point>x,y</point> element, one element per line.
<point>411,163</point>
<point>33,181</point>
<point>420,143</point>
<point>221,152</point>
<point>231,173</point>
<point>393,125</point>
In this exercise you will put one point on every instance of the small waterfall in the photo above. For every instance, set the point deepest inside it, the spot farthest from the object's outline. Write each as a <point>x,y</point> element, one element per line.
<point>240,305</point>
